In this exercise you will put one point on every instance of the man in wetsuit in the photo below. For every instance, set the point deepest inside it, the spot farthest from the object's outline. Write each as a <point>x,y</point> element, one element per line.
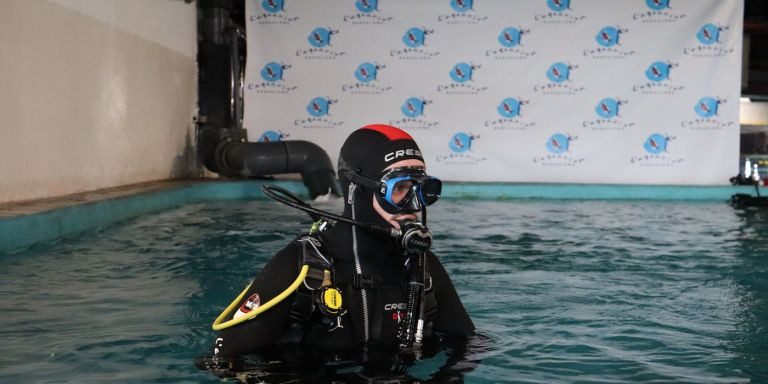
<point>370,270</point>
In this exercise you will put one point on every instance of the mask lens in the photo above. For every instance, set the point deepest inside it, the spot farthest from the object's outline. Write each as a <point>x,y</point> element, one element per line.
<point>431,189</point>
<point>401,190</point>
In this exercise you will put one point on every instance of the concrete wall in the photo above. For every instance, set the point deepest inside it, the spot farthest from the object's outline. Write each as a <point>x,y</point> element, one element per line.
<point>95,94</point>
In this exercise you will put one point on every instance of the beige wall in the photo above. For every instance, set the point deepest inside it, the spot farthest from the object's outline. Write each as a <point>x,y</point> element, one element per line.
<point>94,94</point>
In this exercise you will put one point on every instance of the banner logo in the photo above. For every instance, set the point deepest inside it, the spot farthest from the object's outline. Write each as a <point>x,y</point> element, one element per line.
<point>463,13</point>
<point>558,147</point>
<point>708,119</point>
<point>415,40</point>
<point>272,136</point>
<point>413,110</point>
<point>609,40</point>
<point>656,148</point>
<point>659,75</point>
<point>273,6</point>
<point>414,107</point>
<point>273,71</point>
<point>367,13</point>
<point>367,6</point>
<point>320,41</point>
<point>560,13</point>
<point>461,5</point>
<point>657,5</point>
<point>609,119</point>
<point>321,37</point>
<point>272,74</point>
<point>462,76</point>
<point>510,39</point>
<point>318,108</point>
<point>273,13</point>
<point>511,118</point>
<point>460,146</point>
<point>658,12</point>
<point>366,74</point>
<point>559,75</point>
<point>709,37</point>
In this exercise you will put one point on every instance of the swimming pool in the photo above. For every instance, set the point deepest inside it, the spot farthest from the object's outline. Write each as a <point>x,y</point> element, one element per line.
<point>568,290</point>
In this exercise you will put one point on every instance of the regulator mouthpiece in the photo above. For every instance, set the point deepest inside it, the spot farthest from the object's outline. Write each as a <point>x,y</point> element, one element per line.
<point>414,237</point>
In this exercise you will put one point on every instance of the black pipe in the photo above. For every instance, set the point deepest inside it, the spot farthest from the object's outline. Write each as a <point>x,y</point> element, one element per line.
<point>221,140</point>
<point>296,156</point>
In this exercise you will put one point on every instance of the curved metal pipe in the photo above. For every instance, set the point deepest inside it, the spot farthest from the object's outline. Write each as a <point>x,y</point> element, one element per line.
<point>297,156</point>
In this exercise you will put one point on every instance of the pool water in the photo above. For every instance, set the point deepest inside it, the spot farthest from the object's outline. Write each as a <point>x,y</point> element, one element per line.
<point>566,291</point>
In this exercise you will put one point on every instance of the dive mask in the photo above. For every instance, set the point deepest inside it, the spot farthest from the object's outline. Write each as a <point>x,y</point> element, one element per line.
<point>402,189</point>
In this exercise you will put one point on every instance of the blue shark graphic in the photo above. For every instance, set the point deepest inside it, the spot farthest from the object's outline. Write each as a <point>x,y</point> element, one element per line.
<point>413,107</point>
<point>270,136</point>
<point>708,34</point>
<point>656,143</point>
<point>608,108</point>
<point>318,106</point>
<point>559,5</point>
<point>320,37</point>
<point>414,37</point>
<point>558,72</point>
<point>366,72</point>
<point>658,71</point>
<point>608,36</point>
<point>558,143</point>
<point>509,108</point>
<point>707,107</point>
<point>367,6</point>
<point>461,72</point>
<point>657,5</point>
<point>460,142</point>
<point>510,37</point>
<point>461,5</point>
<point>272,72</point>
<point>273,6</point>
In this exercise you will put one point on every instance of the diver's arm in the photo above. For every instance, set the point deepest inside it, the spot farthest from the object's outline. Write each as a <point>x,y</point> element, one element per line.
<point>265,328</point>
<point>452,318</point>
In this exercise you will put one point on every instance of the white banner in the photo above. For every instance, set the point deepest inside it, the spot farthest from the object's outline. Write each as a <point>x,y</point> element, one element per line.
<point>577,91</point>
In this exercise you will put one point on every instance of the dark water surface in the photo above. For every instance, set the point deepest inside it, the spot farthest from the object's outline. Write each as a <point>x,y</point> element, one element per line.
<point>569,291</point>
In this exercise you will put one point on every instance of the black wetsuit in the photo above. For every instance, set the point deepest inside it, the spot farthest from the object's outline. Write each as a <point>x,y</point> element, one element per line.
<point>382,267</point>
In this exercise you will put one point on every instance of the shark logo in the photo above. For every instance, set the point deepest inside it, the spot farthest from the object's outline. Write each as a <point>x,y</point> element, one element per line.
<point>559,72</point>
<point>558,143</point>
<point>657,5</point>
<point>609,107</point>
<point>707,106</point>
<point>462,72</point>
<point>510,37</point>
<point>461,142</point>
<point>319,106</point>
<point>271,136</point>
<point>414,107</point>
<point>273,71</point>
<point>659,71</point>
<point>273,6</point>
<point>510,107</point>
<point>656,143</point>
<point>367,6</point>
<point>709,34</point>
<point>414,37</point>
<point>366,72</point>
<point>321,37</point>
<point>609,36</point>
<point>559,5</point>
<point>461,5</point>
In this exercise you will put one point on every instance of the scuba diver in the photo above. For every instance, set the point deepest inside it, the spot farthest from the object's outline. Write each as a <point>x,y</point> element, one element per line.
<point>362,279</point>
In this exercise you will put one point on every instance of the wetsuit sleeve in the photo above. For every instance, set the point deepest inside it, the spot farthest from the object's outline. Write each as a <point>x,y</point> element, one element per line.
<point>265,328</point>
<point>452,318</point>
